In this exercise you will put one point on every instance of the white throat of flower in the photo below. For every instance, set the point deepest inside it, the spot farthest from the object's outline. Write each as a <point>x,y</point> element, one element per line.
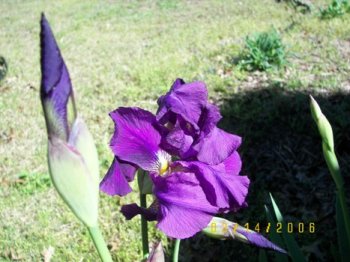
<point>163,162</point>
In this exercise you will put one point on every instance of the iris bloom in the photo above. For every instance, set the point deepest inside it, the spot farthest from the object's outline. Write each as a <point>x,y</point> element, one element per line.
<point>194,166</point>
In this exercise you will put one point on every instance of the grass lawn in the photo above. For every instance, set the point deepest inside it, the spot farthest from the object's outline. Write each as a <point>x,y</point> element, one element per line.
<point>127,53</point>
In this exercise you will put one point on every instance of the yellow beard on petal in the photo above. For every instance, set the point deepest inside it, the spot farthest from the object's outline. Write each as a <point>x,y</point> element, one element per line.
<point>163,162</point>
<point>163,167</point>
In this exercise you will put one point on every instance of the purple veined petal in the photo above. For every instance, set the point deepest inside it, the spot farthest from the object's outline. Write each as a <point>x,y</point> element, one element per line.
<point>259,240</point>
<point>222,185</point>
<point>176,141</point>
<point>116,180</point>
<point>183,207</point>
<point>233,164</point>
<point>184,99</point>
<point>216,146</point>
<point>56,87</point>
<point>161,100</point>
<point>136,140</point>
<point>209,118</point>
<point>131,210</point>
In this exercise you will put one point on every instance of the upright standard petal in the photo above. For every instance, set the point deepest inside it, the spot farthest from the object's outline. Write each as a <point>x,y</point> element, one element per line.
<point>183,207</point>
<point>56,86</point>
<point>116,180</point>
<point>184,99</point>
<point>136,140</point>
<point>177,141</point>
<point>216,146</point>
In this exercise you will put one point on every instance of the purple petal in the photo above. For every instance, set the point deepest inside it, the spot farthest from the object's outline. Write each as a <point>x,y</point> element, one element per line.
<point>209,118</point>
<point>233,164</point>
<point>176,141</point>
<point>56,86</point>
<point>259,240</point>
<point>116,180</point>
<point>216,146</point>
<point>184,209</point>
<point>183,99</point>
<point>135,139</point>
<point>222,185</point>
<point>132,210</point>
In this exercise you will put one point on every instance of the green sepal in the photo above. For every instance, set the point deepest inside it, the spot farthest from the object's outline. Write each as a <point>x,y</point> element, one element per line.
<point>73,180</point>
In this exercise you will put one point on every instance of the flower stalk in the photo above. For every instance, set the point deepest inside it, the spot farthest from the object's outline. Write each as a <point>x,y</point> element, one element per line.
<point>144,225</point>
<point>326,132</point>
<point>100,244</point>
<point>176,250</point>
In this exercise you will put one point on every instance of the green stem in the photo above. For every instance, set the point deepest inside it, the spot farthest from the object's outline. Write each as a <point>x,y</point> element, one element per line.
<point>144,228</point>
<point>100,244</point>
<point>342,199</point>
<point>176,250</point>
<point>333,166</point>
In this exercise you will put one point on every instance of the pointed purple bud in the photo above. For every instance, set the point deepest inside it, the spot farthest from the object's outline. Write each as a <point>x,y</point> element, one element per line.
<point>224,229</point>
<point>56,86</point>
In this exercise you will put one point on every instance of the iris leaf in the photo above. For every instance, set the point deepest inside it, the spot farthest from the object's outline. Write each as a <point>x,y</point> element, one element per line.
<point>291,244</point>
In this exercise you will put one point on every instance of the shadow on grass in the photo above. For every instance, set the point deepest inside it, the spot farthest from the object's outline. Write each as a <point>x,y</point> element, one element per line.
<point>281,153</point>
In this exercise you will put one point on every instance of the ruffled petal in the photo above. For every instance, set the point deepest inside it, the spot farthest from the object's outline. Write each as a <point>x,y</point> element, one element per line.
<point>209,118</point>
<point>216,146</point>
<point>177,142</point>
<point>183,207</point>
<point>222,185</point>
<point>136,140</point>
<point>233,164</point>
<point>116,180</point>
<point>184,99</point>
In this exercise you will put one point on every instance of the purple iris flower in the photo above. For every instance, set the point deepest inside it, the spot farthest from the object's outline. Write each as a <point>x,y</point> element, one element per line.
<point>194,165</point>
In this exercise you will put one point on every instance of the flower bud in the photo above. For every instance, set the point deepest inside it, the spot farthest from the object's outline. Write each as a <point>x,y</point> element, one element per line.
<point>157,253</point>
<point>224,229</point>
<point>73,180</point>
<point>323,124</point>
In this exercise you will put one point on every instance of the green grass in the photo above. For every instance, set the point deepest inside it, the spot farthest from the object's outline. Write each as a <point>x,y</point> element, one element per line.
<point>127,53</point>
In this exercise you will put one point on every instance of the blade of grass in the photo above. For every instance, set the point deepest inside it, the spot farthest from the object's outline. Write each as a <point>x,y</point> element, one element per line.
<point>275,237</point>
<point>291,244</point>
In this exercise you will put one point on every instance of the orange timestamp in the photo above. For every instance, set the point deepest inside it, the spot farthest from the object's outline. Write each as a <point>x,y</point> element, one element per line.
<point>279,227</point>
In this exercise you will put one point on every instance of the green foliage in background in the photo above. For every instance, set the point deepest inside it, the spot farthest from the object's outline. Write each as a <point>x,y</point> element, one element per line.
<point>335,9</point>
<point>263,51</point>
<point>127,53</point>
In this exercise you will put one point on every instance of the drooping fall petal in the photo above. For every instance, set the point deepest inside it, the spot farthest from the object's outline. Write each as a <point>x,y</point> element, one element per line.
<point>136,140</point>
<point>116,180</point>
<point>183,207</point>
